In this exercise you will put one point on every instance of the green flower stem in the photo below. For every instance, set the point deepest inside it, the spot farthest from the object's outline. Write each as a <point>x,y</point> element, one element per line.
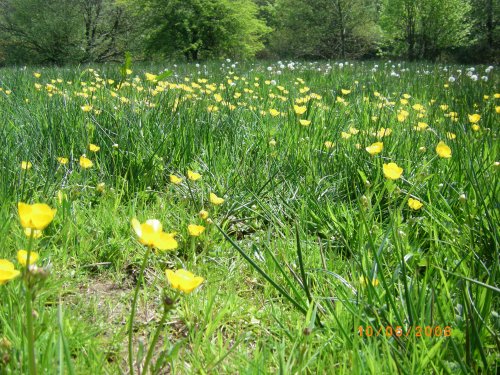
<point>132,313</point>
<point>156,336</point>
<point>29,312</point>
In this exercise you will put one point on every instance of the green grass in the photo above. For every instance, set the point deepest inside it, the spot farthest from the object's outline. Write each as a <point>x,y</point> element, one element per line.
<point>301,224</point>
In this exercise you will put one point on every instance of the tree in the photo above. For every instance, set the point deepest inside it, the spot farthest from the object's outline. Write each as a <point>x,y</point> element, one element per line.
<point>425,28</point>
<point>62,31</point>
<point>40,30</point>
<point>325,28</point>
<point>199,29</point>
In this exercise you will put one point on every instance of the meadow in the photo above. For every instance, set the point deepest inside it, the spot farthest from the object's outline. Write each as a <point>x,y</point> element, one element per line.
<point>334,217</point>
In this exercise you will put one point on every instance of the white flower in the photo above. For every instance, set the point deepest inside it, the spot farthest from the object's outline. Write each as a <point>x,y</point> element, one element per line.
<point>484,78</point>
<point>451,79</point>
<point>474,77</point>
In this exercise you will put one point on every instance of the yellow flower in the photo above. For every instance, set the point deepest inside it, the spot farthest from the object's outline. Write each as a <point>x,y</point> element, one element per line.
<point>497,109</point>
<point>418,107</point>
<point>203,214</point>
<point>35,216</point>
<point>476,127</point>
<point>364,281</point>
<point>183,280</point>
<point>392,171</point>
<point>375,148</point>
<point>305,122</point>
<point>345,92</point>
<point>101,186</point>
<point>62,160</point>
<point>421,126</point>
<point>85,162</point>
<point>274,112</point>
<point>93,147</point>
<point>22,257</point>
<point>33,232</point>
<point>451,135</point>
<point>26,165</point>
<point>86,108</point>
<point>195,230</point>
<point>443,150</point>
<point>345,135</point>
<point>37,75</point>
<point>151,77</point>
<point>329,144</point>
<point>383,132</point>
<point>7,271</point>
<point>214,199</point>
<point>299,110</point>
<point>473,119</point>
<point>151,234</point>
<point>175,180</point>
<point>193,176</point>
<point>415,204</point>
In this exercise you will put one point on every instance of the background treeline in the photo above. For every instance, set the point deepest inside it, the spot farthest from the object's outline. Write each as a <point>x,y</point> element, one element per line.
<point>79,31</point>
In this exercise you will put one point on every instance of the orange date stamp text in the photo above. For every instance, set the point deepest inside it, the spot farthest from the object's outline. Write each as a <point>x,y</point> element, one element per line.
<point>405,331</point>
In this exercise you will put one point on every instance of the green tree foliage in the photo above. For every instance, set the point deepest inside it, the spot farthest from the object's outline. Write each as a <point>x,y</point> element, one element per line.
<point>325,28</point>
<point>39,30</point>
<point>425,28</point>
<point>61,31</point>
<point>199,29</point>
<point>485,32</point>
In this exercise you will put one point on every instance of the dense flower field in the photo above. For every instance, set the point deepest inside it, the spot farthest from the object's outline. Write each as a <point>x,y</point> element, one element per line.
<point>250,217</point>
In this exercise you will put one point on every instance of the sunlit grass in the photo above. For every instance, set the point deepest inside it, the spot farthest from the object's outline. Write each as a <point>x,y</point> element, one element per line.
<point>312,198</point>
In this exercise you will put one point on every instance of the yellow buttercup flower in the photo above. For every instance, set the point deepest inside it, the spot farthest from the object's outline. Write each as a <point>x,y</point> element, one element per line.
<point>274,112</point>
<point>22,257</point>
<point>26,165</point>
<point>151,77</point>
<point>473,119</point>
<point>85,163</point>
<point>86,108</point>
<point>305,122</point>
<point>193,176</point>
<point>299,110</point>
<point>183,280</point>
<point>476,127</point>
<point>345,135</point>
<point>329,144</point>
<point>364,281</point>
<point>451,135</point>
<point>414,204</point>
<point>35,216</point>
<point>421,126</point>
<point>345,92</point>
<point>214,199</point>
<point>7,271</point>
<point>203,214</point>
<point>93,147</point>
<point>375,148</point>
<point>175,180</point>
<point>195,230</point>
<point>443,150</point>
<point>392,171</point>
<point>62,160</point>
<point>383,132</point>
<point>151,234</point>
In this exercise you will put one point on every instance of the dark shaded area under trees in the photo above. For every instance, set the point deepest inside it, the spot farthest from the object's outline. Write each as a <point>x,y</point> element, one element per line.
<point>80,31</point>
